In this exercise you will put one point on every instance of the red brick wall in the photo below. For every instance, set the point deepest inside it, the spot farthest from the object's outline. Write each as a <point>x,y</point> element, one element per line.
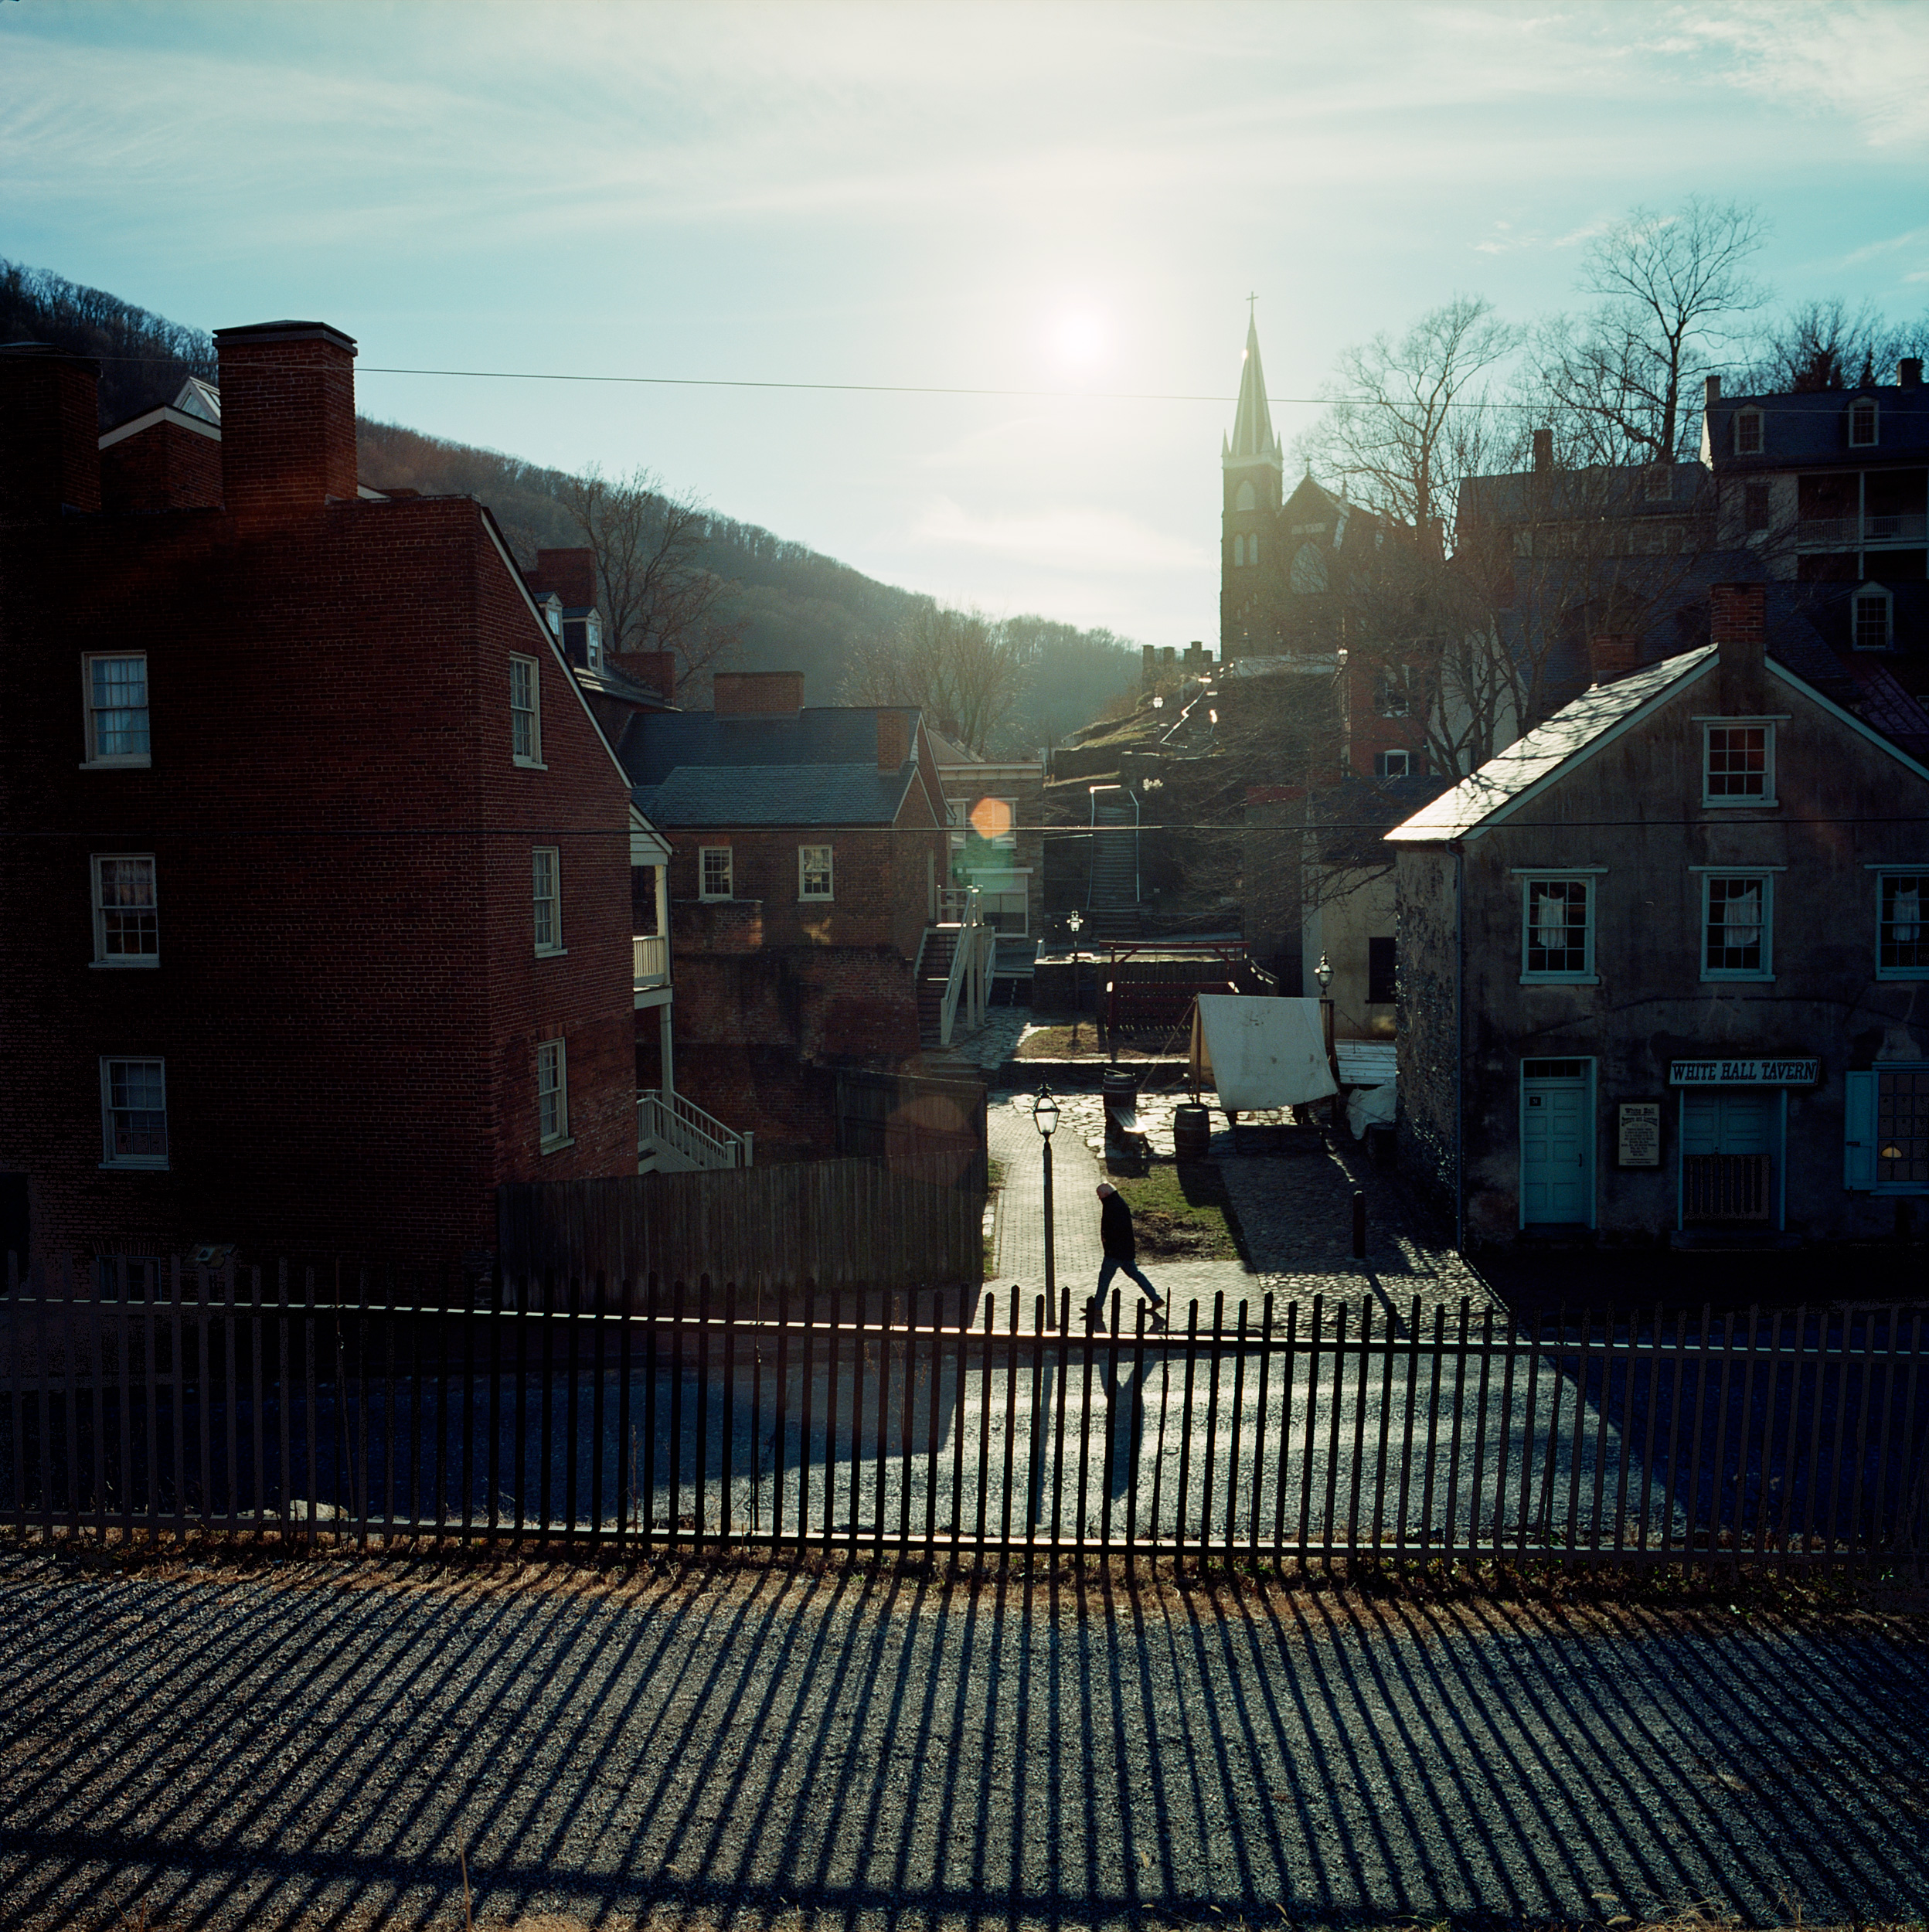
<point>348,1000</point>
<point>571,574</point>
<point>161,467</point>
<point>287,420</point>
<point>49,434</point>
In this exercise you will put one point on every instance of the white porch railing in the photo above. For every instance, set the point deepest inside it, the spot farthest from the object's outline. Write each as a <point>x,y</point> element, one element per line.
<point>971,968</point>
<point>669,1123</point>
<point>649,959</point>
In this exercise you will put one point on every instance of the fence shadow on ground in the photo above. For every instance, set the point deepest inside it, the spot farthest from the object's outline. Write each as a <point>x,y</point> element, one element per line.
<point>316,1746</point>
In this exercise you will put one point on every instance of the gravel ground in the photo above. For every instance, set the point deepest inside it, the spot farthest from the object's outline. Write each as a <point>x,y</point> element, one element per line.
<point>315,1743</point>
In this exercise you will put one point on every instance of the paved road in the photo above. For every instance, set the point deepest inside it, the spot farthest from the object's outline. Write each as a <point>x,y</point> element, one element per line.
<point>311,1745</point>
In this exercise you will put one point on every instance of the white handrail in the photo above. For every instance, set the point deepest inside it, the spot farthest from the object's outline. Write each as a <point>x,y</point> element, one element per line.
<point>697,1136</point>
<point>964,959</point>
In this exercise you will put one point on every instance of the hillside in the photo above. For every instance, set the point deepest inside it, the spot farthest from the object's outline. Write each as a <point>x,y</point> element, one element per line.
<point>799,611</point>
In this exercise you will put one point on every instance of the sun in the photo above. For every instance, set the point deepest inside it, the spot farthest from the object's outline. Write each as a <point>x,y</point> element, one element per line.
<point>1080,338</point>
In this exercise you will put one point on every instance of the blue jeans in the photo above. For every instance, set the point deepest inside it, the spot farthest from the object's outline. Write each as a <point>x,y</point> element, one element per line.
<point>1112,1265</point>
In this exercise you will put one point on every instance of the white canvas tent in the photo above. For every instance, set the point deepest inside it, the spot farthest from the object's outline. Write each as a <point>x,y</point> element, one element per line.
<point>1259,1051</point>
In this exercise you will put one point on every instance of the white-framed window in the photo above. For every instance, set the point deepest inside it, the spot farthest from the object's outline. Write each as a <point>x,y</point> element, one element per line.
<point>1748,432</point>
<point>1864,424</point>
<point>713,871</point>
<point>525,711</point>
<point>133,1113</point>
<point>1557,927</point>
<point>1738,762</point>
<point>1392,698</point>
<point>592,642</point>
<point>116,691</point>
<point>813,875</point>
<point>547,868</point>
<point>1902,937</point>
<point>1392,764</point>
<point>552,1094</point>
<point>1737,925</point>
<point>1885,1128</point>
<point>957,816</point>
<point>1874,617</point>
<point>127,918</point>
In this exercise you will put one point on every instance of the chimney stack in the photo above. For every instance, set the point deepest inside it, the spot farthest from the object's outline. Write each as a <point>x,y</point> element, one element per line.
<point>1613,654</point>
<point>1737,626</point>
<point>1711,391</point>
<point>288,417</point>
<point>893,739</point>
<point>654,670</point>
<point>1909,371</point>
<point>571,574</point>
<point>757,694</point>
<point>49,432</point>
<point>1544,451</point>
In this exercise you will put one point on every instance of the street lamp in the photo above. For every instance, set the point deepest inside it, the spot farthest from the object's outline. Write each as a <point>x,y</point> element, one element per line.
<point>1075,923</point>
<point>1045,1118</point>
<point>1323,972</point>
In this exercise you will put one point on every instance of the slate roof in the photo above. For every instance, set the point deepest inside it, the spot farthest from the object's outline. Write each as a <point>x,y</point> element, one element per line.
<point>1569,734</point>
<point>1813,427</point>
<point>817,766</point>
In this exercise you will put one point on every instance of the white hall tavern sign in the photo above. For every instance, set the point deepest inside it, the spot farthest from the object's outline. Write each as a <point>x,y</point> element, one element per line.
<point>1744,1073</point>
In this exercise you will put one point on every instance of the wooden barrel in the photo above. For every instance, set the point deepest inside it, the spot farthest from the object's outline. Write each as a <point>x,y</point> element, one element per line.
<point>1192,1131</point>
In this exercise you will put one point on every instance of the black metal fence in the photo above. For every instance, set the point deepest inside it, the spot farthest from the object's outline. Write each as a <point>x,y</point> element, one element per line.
<point>601,1416</point>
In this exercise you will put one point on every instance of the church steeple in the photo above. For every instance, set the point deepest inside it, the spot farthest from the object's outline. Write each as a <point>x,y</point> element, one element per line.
<point>1252,439</point>
<point>1254,486</point>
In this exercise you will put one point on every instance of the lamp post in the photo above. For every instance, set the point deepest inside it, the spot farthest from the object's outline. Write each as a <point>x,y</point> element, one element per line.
<point>1075,923</point>
<point>1045,1118</point>
<point>1323,974</point>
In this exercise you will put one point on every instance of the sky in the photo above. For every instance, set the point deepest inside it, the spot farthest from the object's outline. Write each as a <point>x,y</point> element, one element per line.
<point>1075,201</point>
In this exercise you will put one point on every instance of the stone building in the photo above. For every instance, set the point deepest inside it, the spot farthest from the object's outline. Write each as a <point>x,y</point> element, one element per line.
<point>1664,967</point>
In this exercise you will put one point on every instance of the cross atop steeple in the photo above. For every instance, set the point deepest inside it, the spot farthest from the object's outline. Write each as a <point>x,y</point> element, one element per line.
<point>1249,300</point>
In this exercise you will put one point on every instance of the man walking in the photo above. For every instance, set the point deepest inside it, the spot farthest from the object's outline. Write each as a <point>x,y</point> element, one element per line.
<point>1121,1250</point>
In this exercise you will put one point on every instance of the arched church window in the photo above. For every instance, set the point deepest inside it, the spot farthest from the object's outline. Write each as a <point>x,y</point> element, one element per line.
<point>1252,548</point>
<point>1239,552</point>
<point>1309,568</point>
<point>1248,499</point>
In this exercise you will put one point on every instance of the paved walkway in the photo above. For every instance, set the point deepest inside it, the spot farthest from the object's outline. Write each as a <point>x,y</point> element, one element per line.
<point>1295,1211</point>
<point>316,1745</point>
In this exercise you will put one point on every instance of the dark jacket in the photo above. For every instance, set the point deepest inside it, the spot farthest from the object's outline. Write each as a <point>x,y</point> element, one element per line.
<point>1115,1229</point>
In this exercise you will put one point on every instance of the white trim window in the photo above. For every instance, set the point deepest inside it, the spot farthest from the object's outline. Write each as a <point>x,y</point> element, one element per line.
<point>552,1094</point>
<point>116,692</point>
<point>593,642</point>
<point>713,872</point>
<point>1738,762</point>
<point>1865,423</point>
<point>1392,764</point>
<point>1748,432</point>
<point>1737,925</point>
<point>1902,938</point>
<point>133,1113</point>
<point>814,872</point>
<point>546,869</point>
<point>1557,928</point>
<point>126,918</point>
<point>1874,618</point>
<point>525,711</point>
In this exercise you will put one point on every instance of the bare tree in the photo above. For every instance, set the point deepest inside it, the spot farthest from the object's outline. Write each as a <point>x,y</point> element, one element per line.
<point>1406,423</point>
<point>657,595</point>
<point>964,670</point>
<point>1674,291</point>
<point>1827,345</point>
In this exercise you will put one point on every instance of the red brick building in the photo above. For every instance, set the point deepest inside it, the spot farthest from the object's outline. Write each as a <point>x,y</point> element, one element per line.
<point>329,862</point>
<point>809,851</point>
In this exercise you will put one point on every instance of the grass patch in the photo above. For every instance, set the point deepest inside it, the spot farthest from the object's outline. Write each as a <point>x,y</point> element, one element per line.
<point>1182,1214</point>
<point>1076,1040</point>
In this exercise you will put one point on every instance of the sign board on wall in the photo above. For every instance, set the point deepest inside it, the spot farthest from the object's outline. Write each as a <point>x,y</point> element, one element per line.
<point>1637,1136</point>
<point>1740,1073</point>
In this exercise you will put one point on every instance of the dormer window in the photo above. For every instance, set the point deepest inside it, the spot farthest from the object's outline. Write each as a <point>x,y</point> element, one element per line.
<point>592,642</point>
<point>1875,613</point>
<point>1661,482</point>
<point>1863,423</point>
<point>1747,432</point>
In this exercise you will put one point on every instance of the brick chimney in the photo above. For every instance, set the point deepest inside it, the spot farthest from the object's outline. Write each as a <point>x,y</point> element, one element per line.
<point>288,417</point>
<point>1909,371</point>
<point>758,694</point>
<point>1711,391</point>
<point>1737,625</point>
<point>1613,654</point>
<point>1544,451</point>
<point>49,432</point>
<point>571,574</point>
<point>654,670</point>
<point>893,739</point>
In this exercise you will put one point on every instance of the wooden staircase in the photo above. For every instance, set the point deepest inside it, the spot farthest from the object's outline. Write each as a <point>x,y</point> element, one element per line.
<point>1112,895</point>
<point>933,975</point>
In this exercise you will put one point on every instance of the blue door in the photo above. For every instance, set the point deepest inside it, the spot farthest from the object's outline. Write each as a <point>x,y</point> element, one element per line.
<point>1557,1149</point>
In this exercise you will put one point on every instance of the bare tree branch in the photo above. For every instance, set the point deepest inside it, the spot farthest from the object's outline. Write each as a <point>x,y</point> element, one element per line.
<point>965,672</point>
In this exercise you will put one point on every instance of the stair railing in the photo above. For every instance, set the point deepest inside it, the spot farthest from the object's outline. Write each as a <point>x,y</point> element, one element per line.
<point>972,931</point>
<point>677,1124</point>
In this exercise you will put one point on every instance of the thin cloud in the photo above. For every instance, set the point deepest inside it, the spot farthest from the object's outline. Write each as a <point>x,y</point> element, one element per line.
<point>1077,538</point>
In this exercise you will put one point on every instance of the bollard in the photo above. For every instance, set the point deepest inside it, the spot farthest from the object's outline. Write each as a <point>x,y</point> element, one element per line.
<point>1359,1224</point>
